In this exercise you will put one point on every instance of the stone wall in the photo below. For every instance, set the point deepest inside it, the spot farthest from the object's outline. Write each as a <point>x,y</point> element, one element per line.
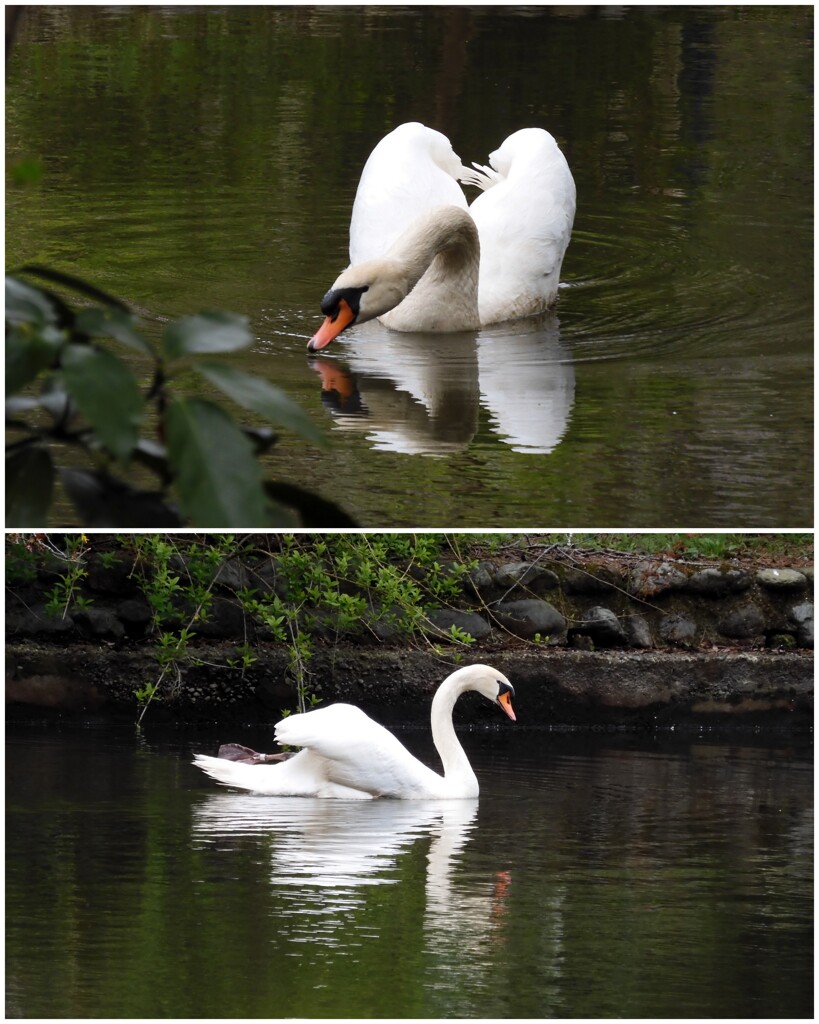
<point>601,642</point>
<point>645,604</point>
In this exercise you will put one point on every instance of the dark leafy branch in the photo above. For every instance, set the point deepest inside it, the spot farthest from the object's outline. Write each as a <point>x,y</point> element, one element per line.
<point>68,388</point>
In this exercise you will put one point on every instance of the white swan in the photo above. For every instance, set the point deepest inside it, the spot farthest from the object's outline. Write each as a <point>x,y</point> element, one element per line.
<point>349,756</point>
<point>415,262</point>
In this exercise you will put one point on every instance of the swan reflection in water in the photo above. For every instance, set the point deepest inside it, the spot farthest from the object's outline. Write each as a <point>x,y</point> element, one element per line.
<point>324,854</point>
<point>423,393</point>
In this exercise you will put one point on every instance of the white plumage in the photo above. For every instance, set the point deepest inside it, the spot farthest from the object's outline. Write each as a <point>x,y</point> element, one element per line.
<point>410,171</point>
<point>413,256</point>
<point>347,755</point>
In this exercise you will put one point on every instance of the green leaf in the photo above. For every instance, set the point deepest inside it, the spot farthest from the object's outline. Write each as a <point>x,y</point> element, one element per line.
<point>28,353</point>
<point>259,396</point>
<point>75,284</point>
<point>102,500</point>
<point>106,393</point>
<point>217,476</point>
<point>207,332</point>
<point>29,487</point>
<point>112,323</point>
<point>27,305</point>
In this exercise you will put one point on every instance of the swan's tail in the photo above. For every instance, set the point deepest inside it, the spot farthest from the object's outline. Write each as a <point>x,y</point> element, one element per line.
<point>229,773</point>
<point>481,175</point>
<point>302,775</point>
<point>236,752</point>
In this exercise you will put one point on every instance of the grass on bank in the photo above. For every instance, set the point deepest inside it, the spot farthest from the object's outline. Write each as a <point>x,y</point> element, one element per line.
<point>716,546</point>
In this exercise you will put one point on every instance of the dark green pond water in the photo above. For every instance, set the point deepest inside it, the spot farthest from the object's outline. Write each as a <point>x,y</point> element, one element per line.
<point>594,877</point>
<point>208,157</point>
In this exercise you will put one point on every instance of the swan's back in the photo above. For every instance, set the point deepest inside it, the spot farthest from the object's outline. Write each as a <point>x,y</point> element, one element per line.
<point>410,171</point>
<point>525,222</point>
<point>359,753</point>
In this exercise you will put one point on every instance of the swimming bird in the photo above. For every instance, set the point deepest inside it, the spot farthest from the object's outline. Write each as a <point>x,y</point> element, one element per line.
<point>423,260</point>
<point>347,755</point>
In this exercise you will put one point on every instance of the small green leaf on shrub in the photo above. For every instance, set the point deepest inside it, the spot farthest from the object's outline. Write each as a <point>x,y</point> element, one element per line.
<point>217,476</point>
<point>28,353</point>
<point>259,396</point>
<point>29,486</point>
<point>27,305</point>
<point>74,284</point>
<point>206,333</point>
<point>106,393</point>
<point>112,323</point>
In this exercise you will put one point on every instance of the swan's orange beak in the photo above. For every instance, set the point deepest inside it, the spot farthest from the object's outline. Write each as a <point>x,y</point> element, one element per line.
<point>332,327</point>
<point>505,701</point>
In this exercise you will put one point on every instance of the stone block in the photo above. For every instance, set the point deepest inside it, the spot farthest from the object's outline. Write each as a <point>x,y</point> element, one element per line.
<point>638,631</point>
<point>782,579</point>
<point>678,630</point>
<point>527,576</point>
<point>99,622</point>
<point>719,583</point>
<point>441,620</point>
<point>650,579</point>
<point>528,617</point>
<point>603,626</point>
<point>801,615</point>
<point>597,580</point>
<point>743,622</point>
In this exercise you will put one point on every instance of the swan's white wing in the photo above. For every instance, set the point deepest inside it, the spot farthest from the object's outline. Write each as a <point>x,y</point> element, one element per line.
<point>359,753</point>
<point>410,171</point>
<point>306,774</point>
<point>524,221</point>
<point>345,755</point>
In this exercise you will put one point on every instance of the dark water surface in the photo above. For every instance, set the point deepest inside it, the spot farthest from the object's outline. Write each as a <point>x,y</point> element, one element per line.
<point>208,157</point>
<point>595,877</point>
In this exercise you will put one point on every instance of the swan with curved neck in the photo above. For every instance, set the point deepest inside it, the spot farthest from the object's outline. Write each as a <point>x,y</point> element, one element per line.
<point>443,248</point>
<point>412,252</point>
<point>346,755</point>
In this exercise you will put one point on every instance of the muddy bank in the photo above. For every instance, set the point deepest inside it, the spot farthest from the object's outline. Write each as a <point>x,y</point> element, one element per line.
<point>553,687</point>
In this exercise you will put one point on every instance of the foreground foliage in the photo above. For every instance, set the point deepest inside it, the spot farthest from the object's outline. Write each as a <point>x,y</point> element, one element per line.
<point>70,390</point>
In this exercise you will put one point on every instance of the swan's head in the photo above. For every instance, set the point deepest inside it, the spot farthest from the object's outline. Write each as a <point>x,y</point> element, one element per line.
<point>413,140</point>
<point>360,293</point>
<point>526,144</point>
<point>488,681</point>
<point>504,697</point>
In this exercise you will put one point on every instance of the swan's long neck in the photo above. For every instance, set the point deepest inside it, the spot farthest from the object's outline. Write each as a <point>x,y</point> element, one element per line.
<point>445,231</point>
<point>439,258</point>
<point>457,768</point>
